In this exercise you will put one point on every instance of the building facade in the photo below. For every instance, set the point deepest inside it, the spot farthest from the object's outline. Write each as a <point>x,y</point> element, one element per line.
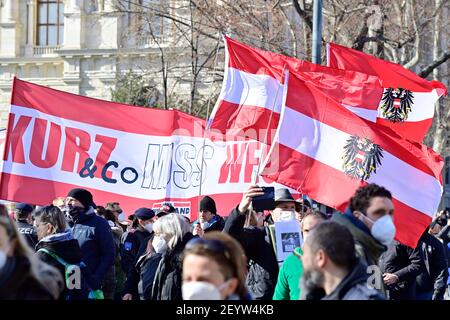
<point>78,46</point>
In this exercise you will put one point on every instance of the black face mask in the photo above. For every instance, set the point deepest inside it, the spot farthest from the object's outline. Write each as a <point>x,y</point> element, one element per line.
<point>74,211</point>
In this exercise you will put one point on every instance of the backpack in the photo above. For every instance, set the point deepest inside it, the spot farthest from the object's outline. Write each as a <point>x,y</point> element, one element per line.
<point>93,294</point>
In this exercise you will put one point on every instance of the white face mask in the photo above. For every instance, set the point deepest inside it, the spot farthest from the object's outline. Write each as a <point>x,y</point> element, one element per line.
<point>159,244</point>
<point>149,227</point>
<point>287,215</point>
<point>3,259</point>
<point>384,230</point>
<point>204,225</point>
<point>200,290</point>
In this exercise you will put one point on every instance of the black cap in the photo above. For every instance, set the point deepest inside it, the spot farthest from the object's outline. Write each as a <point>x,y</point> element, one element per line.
<point>24,207</point>
<point>82,195</point>
<point>165,209</point>
<point>208,204</point>
<point>144,213</point>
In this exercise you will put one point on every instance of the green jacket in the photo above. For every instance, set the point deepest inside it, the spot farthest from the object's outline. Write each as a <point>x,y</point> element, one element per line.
<point>288,283</point>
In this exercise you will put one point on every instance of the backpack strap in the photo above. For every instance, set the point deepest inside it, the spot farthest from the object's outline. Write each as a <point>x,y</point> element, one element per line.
<point>54,256</point>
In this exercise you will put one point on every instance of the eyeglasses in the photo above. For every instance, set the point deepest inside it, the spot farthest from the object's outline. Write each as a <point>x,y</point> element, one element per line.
<point>208,244</point>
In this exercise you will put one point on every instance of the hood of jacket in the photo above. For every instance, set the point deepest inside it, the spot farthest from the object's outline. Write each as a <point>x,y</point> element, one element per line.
<point>64,245</point>
<point>374,247</point>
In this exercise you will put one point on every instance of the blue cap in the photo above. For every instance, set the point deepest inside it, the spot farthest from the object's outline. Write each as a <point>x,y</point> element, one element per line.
<point>24,207</point>
<point>144,213</point>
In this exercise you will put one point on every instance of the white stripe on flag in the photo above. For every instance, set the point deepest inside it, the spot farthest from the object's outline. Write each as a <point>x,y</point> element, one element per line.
<point>326,144</point>
<point>257,90</point>
<point>364,113</point>
<point>422,108</point>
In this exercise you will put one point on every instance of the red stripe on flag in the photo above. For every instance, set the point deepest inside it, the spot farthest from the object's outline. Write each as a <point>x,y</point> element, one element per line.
<point>106,114</point>
<point>391,74</point>
<point>334,189</point>
<point>413,130</point>
<point>249,121</point>
<point>309,101</point>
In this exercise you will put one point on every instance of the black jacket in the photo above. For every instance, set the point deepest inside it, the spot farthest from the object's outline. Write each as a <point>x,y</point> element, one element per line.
<point>354,286</point>
<point>97,245</point>
<point>434,277</point>
<point>132,247</point>
<point>167,284</point>
<point>257,244</point>
<point>407,264</point>
<point>17,283</point>
<point>28,232</point>
<point>68,249</point>
<point>216,224</point>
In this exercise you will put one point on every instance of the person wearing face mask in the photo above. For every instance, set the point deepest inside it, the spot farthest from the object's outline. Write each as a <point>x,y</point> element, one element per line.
<point>135,242</point>
<point>133,247</point>
<point>214,269</point>
<point>208,219</point>
<point>259,241</point>
<point>22,275</point>
<point>172,232</point>
<point>369,219</point>
<point>331,270</point>
<point>288,283</point>
<point>93,234</point>
<point>57,247</point>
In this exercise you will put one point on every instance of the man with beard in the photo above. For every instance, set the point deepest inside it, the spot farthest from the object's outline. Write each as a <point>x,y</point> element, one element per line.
<point>93,234</point>
<point>331,269</point>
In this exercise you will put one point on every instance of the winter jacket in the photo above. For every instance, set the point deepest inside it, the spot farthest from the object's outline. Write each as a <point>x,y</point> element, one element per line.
<point>434,277</point>
<point>288,283</point>
<point>407,264</point>
<point>17,282</point>
<point>368,249</point>
<point>97,245</point>
<point>167,284</point>
<point>258,247</point>
<point>68,249</point>
<point>28,232</point>
<point>216,224</point>
<point>354,286</point>
<point>133,246</point>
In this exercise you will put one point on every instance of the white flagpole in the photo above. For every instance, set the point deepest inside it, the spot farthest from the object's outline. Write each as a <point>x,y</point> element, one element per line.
<point>207,119</point>
<point>255,176</point>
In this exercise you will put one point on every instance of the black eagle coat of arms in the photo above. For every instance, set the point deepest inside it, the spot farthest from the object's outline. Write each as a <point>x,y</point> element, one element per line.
<point>361,157</point>
<point>397,104</point>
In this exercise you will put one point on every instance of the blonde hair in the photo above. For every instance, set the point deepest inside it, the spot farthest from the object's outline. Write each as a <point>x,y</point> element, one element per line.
<point>174,226</point>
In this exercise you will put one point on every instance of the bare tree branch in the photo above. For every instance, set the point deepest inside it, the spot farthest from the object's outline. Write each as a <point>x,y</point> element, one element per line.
<point>433,65</point>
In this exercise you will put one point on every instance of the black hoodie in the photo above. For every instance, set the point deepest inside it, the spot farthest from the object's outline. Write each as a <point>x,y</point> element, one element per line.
<point>354,286</point>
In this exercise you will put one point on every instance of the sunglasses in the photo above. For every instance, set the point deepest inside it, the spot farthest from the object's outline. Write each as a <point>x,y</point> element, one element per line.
<point>212,245</point>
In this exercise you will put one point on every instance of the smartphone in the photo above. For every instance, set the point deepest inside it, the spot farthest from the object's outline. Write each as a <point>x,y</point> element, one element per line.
<point>265,201</point>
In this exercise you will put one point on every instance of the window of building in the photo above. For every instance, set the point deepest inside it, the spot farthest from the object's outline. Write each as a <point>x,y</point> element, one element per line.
<point>50,28</point>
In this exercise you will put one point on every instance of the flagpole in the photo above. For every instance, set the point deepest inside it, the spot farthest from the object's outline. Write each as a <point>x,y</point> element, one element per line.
<point>207,118</point>
<point>255,176</point>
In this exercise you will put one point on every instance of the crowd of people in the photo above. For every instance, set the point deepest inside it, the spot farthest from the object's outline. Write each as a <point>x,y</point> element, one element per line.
<point>74,249</point>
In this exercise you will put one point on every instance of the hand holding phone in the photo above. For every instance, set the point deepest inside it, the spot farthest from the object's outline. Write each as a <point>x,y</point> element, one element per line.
<point>266,201</point>
<point>252,191</point>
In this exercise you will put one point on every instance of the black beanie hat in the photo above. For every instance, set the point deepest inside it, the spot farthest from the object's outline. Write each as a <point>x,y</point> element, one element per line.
<point>82,195</point>
<point>208,204</point>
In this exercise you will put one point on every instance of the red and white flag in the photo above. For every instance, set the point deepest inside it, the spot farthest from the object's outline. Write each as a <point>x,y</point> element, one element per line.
<point>254,85</point>
<point>407,104</point>
<point>326,152</point>
<point>139,157</point>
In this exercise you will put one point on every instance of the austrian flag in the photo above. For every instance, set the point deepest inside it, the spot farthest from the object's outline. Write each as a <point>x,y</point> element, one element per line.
<point>327,152</point>
<point>407,104</point>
